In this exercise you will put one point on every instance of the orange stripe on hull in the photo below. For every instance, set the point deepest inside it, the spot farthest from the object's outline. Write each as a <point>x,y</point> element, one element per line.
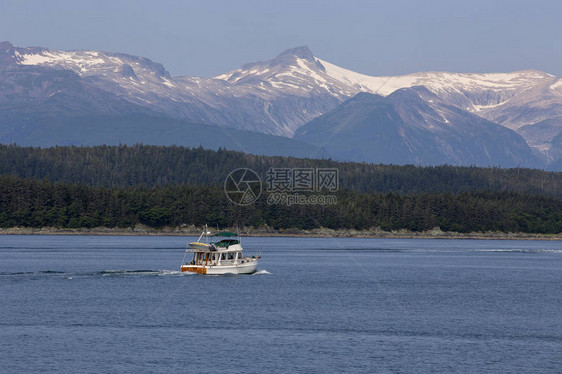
<point>194,269</point>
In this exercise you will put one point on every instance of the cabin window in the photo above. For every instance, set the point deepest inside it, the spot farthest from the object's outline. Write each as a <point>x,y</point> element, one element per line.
<point>223,256</point>
<point>231,256</point>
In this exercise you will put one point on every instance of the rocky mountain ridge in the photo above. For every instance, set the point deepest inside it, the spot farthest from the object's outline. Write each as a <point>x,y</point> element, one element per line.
<point>276,97</point>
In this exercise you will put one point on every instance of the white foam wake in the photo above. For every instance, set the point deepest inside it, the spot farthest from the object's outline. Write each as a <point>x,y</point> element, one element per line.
<point>261,272</point>
<point>174,272</point>
<point>157,273</point>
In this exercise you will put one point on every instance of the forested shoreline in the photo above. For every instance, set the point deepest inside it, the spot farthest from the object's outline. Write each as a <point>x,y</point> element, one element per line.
<point>168,187</point>
<point>41,203</point>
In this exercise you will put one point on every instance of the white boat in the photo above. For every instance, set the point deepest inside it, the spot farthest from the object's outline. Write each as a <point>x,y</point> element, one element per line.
<point>221,257</point>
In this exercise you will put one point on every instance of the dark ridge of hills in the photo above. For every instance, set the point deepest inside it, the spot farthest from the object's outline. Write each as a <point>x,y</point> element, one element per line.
<point>149,166</point>
<point>112,129</point>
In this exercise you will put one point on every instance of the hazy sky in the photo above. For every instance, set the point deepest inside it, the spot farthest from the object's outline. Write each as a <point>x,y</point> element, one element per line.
<point>206,38</point>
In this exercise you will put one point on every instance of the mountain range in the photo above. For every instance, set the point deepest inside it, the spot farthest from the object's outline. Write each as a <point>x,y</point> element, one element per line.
<point>414,126</point>
<point>294,104</point>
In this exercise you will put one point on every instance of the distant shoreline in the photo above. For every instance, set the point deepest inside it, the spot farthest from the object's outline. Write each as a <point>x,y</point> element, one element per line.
<point>268,232</point>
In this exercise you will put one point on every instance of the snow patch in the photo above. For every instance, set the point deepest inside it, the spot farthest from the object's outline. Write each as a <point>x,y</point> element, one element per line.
<point>284,85</point>
<point>556,85</point>
<point>224,77</point>
<point>478,108</point>
<point>54,93</point>
<point>434,81</point>
<point>37,59</point>
<point>168,83</point>
<point>381,85</point>
<point>308,71</point>
<point>52,57</point>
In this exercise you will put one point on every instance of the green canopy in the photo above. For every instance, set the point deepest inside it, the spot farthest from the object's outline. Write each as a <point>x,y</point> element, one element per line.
<point>225,233</point>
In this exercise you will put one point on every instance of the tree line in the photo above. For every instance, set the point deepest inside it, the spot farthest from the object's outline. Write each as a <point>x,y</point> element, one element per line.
<point>152,166</point>
<point>42,203</point>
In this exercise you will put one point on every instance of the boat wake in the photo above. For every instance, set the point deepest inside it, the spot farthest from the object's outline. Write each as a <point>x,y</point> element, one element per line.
<point>42,272</point>
<point>157,273</point>
<point>103,273</point>
<point>261,272</point>
<point>106,273</point>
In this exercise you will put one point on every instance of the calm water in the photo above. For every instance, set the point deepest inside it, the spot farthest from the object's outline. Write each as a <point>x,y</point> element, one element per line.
<point>117,304</point>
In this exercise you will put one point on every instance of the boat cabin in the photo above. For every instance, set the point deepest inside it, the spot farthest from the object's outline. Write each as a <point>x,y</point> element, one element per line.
<point>217,257</point>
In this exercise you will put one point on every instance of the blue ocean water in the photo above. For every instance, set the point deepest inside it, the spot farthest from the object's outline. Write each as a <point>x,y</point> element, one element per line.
<point>108,304</point>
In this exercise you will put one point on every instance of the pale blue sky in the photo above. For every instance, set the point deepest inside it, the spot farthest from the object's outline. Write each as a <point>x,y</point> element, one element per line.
<point>206,38</point>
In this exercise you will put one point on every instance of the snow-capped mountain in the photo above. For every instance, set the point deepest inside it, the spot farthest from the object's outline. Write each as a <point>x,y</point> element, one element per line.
<point>276,97</point>
<point>266,108</point>
<point>137,80</point>
<point>414,126</point>
<point>52,98</point>
<point>514,100</point>
<point>529,102</point>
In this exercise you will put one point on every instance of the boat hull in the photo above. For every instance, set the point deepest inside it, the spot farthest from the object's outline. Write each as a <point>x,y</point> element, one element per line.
<point>245,268</point>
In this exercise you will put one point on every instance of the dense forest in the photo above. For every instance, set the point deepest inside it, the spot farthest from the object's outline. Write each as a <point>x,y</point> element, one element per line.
<point>151,166</point>
<point>40,203</point>
<point>122,186</point>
